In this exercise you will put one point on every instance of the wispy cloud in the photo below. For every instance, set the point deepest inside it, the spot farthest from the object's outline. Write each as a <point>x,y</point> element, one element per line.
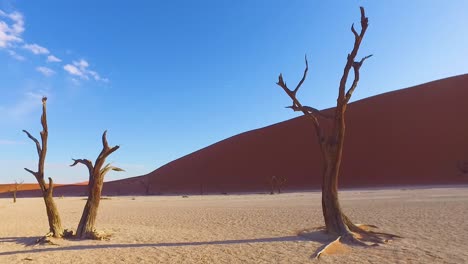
<point>15,55</point>
<point>75,81</point>
<point>10,142</point>
<point>45,71</point>
<point>73,70</point>
<point>52,58</point>
<point>80,69</point>
<point>29,102</point>
<point>36,49</point>
<point>11,28</point>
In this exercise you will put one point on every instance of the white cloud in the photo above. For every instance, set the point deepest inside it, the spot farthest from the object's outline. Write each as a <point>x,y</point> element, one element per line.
<point>15,55</point>
<point>36,49</point>
<point>73,70</point>
<point>45,71</point>
<point>80,68</point>
<point>10,33</point>
<point>52,58</point>
<point>82,64</point>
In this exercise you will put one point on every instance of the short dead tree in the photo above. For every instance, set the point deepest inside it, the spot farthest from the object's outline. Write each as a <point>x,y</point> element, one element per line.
<point>145,181</point>
<point>55,224</point>
<point>86,227</point>
<point>277,183</point>
<point>331,142</point>
<point>15,189</point>
<point>462,167</point>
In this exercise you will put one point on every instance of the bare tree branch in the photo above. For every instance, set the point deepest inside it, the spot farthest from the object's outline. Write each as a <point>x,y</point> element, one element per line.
<point>32,172</point>
<point>38,145</point>
<point>297,105</point>
<point>309,109</point>
<point>105,152</point>
<point>44,136</point>
<point>351,57</point>
<point>105,145</point>
<point>354,31</point>
<point>51,187</point>
<point>86,162</point>
<point>107,168</point>
<point>303,76</point>
<point>356,67</point>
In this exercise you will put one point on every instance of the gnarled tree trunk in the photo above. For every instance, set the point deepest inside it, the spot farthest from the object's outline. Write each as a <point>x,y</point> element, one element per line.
<point>86,227</point>
<point>55,225</point>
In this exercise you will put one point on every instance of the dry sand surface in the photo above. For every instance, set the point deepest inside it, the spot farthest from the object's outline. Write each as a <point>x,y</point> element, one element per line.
<point>255,228</point>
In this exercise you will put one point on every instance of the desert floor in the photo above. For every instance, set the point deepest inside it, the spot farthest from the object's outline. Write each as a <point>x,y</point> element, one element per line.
<point>257,228</point>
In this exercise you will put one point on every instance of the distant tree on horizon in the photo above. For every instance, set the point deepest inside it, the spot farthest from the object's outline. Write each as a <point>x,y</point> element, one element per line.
<point>146,183</point>
<point>16,188</point>
<point>277,183</point>
<point>462,166</point>
<point>86,227</point>
<point>331,146</point>
<point>55,224</point>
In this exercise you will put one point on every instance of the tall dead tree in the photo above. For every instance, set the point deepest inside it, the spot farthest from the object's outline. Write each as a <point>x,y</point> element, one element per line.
<point>331,144</point>
<point>86,227</point>
<point>55,225</point>
<point>15,189</point>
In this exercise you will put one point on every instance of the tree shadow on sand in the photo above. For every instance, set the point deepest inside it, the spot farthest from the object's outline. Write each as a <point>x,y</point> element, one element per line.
<point>25,241</point>
<point>315,236</point>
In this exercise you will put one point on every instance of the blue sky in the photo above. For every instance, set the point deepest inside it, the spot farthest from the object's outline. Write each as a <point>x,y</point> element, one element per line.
<point>166,78</point>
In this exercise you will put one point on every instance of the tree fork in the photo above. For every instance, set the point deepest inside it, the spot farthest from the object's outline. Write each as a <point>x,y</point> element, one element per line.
<point>86,227</point>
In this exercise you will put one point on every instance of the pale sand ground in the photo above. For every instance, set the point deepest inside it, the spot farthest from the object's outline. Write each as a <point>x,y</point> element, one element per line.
<point>242,228</point>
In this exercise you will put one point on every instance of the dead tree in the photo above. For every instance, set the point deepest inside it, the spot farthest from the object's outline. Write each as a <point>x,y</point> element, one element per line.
<point>15,189</point>
<point>462,167</point>
<point>331,146</point>
<point>280,181</point>
<point>276,183</point>
<point>55,225</point>
<point>86,227</point>
<point>146,183</point>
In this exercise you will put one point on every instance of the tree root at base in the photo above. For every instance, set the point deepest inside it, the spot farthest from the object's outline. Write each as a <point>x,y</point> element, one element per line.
<point>97,235</point>
<point>50,239</point>
<point>365,237</point>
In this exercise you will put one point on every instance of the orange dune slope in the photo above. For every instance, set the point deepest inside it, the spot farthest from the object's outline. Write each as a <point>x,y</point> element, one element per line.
<point>413,136</point>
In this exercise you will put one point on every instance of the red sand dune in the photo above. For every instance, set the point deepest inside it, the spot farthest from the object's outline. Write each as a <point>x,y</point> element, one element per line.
<point>23,187</point>
<point>32,189</point>
<point>413,136</point>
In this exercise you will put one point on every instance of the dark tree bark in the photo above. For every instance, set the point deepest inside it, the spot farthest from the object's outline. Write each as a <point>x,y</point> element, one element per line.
<point>86,227</point>
<point>55,225</point>
<point>331,144</point>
